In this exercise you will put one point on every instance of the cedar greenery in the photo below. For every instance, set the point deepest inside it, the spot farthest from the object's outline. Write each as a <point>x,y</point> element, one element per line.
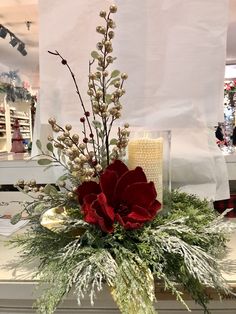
<point>180,246</point>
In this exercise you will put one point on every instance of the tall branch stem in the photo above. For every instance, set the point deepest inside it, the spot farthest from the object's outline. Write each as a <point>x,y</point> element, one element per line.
<point>104,95</point>
<point>96,130</point>
<point>78,93</point>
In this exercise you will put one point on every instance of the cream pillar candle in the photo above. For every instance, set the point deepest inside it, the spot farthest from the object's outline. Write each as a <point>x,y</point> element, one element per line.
<point>148,154</point>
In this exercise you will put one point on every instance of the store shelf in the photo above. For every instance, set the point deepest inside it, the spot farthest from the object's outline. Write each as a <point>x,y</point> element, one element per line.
<point>24,124</point>
<point>20,117</point>
<point>22,131</point>
<point>18,110</point>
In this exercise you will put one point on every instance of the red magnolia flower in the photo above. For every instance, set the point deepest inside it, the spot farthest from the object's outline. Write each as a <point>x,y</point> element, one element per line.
<point>122,195</point>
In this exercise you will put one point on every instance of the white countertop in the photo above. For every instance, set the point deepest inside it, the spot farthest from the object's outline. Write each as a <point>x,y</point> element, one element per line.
<point>20,166</point>
<point>14,156</point>
<point>231,165</point>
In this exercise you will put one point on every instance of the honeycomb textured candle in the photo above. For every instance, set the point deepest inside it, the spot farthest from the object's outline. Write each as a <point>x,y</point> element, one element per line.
<point>148,154</point>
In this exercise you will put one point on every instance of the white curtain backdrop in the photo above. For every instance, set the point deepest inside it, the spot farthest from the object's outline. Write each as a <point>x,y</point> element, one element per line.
<point>174,54</point>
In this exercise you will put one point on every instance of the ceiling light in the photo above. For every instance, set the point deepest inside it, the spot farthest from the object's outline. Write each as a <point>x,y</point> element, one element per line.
<point>28,24</point>
<point>13,41</point>
<point>24,52</point>
<point>3,32</point>
<point>21,49</point>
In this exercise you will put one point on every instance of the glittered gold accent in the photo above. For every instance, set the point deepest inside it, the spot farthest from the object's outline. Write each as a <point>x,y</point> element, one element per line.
<point>132,294</point>
<point>54,219</point>
<point>148,154</point>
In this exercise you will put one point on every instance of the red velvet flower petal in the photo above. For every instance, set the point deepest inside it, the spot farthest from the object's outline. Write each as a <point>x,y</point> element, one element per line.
<point>139,214</point>
<point>93,218</point>
<point>132,225</point>
<point>87,188</point>
<point>105,227</point>
<point>90,198</point>
<point>90,215</point>
<point>154,208</point>
<point>128,178</point>
<point>97,212</point>
<point>107,210</point>
<point>119,219</point>
<point>105,213</point>
<point>140,193</point>
<point>119,167</point>
<point>108,182</point>
<point>123,221</point>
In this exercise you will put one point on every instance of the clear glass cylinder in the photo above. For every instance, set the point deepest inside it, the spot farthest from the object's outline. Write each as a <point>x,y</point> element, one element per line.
<point>151,151</point>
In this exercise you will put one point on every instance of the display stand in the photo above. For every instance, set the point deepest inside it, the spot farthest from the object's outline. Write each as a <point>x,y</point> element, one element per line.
<point>3,136</point>
<point>14,110</point>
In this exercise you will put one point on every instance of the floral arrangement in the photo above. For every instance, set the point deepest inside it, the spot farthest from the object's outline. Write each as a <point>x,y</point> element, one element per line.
<point>102,224</point>
<point>227,145</point>
<point>229,92</point>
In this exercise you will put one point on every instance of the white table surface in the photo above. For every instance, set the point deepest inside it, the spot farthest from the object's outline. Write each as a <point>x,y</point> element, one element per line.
<point>231,165</point>
<point>20,166</point>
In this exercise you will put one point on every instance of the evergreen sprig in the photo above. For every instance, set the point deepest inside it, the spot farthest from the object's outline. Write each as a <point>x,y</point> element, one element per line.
<point>180,248</point>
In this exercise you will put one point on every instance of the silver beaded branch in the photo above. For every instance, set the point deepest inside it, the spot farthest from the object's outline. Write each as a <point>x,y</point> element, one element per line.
<point>105,90</point>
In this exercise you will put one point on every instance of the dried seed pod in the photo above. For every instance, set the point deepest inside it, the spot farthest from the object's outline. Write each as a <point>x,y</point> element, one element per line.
<point>68,127</point>
<point>102,13</point>
<point>61,183</point>
<point>99,46</point>
<point>75,138</point>
<point>56,128</point>
<point>52,121</point>
<point>124,76</point>
<point>111,34</point>
<point>113,8</point>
